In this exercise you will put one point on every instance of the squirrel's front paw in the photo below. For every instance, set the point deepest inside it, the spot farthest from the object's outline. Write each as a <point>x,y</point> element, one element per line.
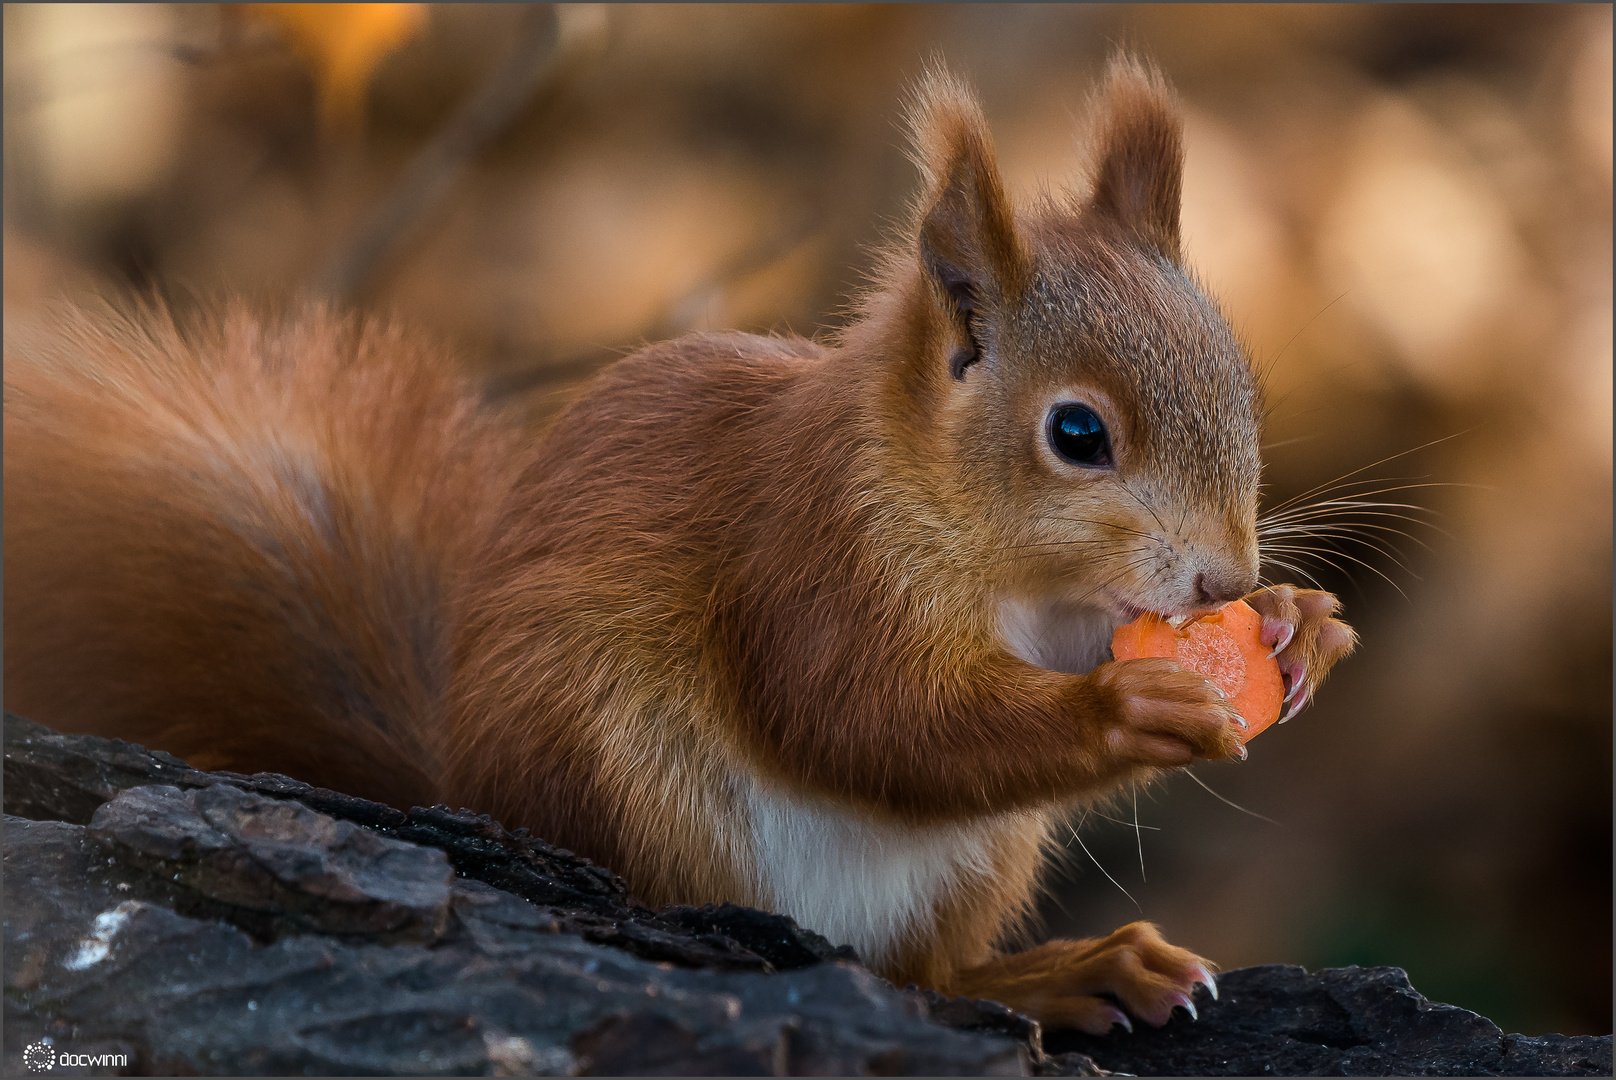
<point>1306,637</point>
<point>1164,715</point>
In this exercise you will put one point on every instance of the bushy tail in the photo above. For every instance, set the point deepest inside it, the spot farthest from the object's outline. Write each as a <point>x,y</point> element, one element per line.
<point>241,540</point>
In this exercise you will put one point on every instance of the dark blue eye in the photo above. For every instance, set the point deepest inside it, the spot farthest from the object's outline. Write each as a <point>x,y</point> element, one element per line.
<point>1078,436</point>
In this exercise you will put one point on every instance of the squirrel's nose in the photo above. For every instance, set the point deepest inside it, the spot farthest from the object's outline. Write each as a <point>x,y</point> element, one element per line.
<point>1218,590</point>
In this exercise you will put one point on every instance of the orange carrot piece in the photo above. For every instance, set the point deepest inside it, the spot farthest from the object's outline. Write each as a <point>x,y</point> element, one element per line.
<point>1225,646</point>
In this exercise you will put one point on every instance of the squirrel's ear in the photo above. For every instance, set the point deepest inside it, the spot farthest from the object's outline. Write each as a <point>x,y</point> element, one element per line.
<point>1139,154</point>
<point>966,232</point>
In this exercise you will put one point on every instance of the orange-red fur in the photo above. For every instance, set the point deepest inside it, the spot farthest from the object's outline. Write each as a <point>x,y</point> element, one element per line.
<point>737,568</point>
<point>241,542</point>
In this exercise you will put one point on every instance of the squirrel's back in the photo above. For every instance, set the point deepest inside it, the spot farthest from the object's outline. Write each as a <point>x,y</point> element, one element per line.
<point>242,539</point>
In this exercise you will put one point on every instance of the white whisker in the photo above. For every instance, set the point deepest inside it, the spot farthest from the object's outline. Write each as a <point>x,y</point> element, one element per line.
<point>1096,862</point>
<point>1229,802</point>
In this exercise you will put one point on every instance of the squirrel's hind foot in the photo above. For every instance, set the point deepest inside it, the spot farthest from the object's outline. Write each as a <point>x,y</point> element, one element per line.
<point>1071,983</point>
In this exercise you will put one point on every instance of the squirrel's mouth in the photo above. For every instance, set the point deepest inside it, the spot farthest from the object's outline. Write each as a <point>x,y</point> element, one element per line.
<point>1127,613</point>
<point>1123,611</point>
<point>1175,620</point>
<point>1130,613</point>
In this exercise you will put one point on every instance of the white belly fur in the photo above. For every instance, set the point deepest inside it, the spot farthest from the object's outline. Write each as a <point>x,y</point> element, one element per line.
<point>1055,635</point>
<point>859,882</point>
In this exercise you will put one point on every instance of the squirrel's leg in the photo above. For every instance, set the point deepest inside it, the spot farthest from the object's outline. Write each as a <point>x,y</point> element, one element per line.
<point>1073,983</point>
<point>1300,625</point>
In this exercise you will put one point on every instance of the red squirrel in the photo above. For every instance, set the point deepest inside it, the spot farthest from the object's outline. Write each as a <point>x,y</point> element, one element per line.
<point>818,628</point>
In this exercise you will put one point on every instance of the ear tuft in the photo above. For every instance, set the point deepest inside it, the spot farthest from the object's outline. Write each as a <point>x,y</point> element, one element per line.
<point>1138,170</point>
<point>966,227</point>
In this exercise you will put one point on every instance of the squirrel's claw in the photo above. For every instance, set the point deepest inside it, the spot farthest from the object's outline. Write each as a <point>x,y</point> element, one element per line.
<point>1283,636</point>
<point>1203,977</point>
<point>1295,679</point>
<point>1111,1017</point>
<point>1296,706</point>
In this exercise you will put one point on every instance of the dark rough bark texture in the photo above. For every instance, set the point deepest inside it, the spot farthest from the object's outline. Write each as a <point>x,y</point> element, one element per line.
<point>215,923</point>
<point>1279,1020</point>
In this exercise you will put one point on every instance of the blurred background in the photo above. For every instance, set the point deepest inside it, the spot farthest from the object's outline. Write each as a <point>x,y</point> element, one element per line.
<point>1406,211</point>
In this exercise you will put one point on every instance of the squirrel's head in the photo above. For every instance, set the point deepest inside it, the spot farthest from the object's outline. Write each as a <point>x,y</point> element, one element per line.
<point>1096,411</point>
